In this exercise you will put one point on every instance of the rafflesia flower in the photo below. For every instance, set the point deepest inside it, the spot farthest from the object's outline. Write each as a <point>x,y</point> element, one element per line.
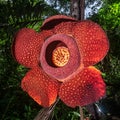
<point>60,58</point>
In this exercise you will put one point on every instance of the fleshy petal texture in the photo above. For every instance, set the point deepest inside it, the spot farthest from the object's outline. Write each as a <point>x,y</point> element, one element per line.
<point>54,20</point>
<point>46,33</point>
<point>92,41</point>
<point>65,28</point>
<point>84,88</point>
<point>26,47</point>
<point>40,87</point>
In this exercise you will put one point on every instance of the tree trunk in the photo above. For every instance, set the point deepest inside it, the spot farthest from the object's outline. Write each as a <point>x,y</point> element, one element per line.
<point>77,9</point>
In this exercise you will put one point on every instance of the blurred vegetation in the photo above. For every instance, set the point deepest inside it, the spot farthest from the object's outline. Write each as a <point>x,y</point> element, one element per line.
<point>15,14</point>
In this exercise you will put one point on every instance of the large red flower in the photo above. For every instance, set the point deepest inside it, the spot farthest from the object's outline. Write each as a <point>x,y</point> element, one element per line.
<point>60,58</point>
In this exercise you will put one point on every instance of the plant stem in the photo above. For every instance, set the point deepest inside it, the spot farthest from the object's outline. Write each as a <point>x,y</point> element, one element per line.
<point>81,113</point>
<point>82,9</point>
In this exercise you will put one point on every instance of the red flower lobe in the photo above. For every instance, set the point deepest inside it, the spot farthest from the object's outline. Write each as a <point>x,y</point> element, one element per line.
<point>84,88</point>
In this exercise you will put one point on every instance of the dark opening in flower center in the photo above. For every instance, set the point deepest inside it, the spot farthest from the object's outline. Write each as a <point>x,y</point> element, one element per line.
<point>55,54</point>
<point>60,56</point>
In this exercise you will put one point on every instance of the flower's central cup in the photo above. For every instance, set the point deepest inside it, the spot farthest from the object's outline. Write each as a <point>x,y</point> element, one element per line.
<point>60,56</point>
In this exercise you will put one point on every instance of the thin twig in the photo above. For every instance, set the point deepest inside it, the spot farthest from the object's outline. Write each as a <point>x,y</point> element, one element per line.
<point>8,106</point>
<point>81,113</point>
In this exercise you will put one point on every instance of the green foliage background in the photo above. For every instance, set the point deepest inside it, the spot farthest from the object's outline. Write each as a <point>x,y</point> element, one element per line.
<point>15,14</point>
